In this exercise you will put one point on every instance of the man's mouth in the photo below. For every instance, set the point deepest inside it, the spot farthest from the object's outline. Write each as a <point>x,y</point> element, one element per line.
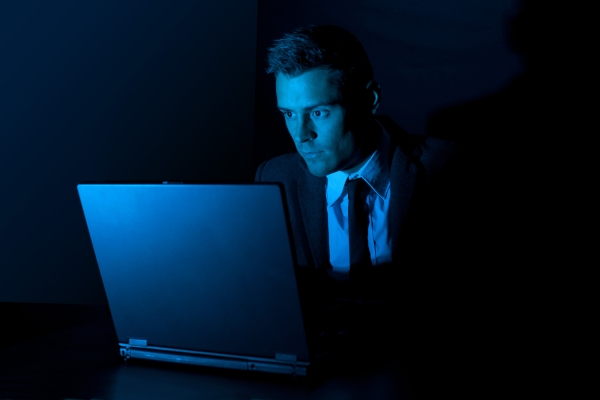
<point>311,154</point>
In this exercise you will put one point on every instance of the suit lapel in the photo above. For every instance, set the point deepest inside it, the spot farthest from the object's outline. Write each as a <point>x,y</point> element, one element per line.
<point>311,192</point>
<point>405,174</point>
<point>402,186</point>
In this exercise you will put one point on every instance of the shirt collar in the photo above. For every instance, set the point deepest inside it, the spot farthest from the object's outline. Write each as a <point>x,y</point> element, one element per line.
<point>376,172</point>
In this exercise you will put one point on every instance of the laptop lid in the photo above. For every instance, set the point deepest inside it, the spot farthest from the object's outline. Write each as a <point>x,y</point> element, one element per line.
<point>198,267</point>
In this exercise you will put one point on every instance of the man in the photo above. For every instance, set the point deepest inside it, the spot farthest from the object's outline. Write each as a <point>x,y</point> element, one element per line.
<point>359,299</point>
<point>355,190</point>
<point>327,95</point>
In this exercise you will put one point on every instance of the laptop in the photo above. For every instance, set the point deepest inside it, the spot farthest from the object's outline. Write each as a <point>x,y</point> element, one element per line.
<point>199,274</point>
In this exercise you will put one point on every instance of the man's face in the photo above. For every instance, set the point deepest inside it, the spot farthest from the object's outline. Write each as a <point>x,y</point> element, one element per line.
<point>311,104</point>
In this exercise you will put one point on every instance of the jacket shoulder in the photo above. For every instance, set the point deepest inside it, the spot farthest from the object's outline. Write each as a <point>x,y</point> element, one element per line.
<point>429,153</point>
<point>281,169</point>
<point>437,153</point>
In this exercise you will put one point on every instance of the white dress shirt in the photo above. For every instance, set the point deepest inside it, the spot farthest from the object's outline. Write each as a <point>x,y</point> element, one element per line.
<point>376,172</point>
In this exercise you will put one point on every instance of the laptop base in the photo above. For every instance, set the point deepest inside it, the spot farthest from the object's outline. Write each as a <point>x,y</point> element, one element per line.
<point>281,364</point>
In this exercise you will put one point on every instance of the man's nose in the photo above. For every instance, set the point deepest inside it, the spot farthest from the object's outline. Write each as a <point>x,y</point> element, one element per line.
<point>305,130</point>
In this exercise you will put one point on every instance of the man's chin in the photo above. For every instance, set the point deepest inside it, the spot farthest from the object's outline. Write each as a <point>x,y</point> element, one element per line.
<point>317,168</point>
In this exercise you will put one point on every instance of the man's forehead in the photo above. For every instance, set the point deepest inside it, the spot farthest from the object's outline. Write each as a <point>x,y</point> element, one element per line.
<point>315,86</point>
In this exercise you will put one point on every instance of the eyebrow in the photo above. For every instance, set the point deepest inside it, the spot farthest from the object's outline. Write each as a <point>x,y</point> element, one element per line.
<point>312,106</point>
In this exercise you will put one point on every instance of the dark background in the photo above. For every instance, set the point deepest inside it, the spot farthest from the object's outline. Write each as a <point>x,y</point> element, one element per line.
<point>111,91</point>
<point>153,91</point>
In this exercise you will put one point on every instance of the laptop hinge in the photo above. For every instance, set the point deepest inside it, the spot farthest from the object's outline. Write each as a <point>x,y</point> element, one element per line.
<point>286,357</point>
<point>125,352</point>
<point>138,342</point>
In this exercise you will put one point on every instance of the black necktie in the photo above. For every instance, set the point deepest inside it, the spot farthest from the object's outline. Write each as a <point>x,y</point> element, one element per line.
<point>358,224</point>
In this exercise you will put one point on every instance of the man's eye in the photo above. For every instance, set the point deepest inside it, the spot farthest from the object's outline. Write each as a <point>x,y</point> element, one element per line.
<point>319,113</point>
<point>287,114</point>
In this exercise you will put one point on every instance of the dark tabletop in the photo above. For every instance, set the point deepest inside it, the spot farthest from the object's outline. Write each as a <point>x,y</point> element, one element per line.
<point>83,362</point>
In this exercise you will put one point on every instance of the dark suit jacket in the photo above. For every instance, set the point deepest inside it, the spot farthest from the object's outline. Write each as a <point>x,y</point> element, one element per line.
<point>416,163</point>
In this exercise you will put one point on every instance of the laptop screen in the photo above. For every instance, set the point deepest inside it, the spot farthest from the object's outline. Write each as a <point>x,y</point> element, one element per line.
<point>199,267</point>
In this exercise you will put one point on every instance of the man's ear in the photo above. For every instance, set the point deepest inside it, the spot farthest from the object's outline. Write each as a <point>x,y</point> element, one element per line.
<point>373,95</point>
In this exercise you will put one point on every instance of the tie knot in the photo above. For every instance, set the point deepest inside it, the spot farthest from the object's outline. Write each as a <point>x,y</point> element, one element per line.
<point>356,187</point>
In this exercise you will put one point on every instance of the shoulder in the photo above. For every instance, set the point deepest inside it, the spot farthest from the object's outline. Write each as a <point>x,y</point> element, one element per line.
<point>428,153</point>
<point>437,153</point>
<point>401,141</point>
<point>281,169</point>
